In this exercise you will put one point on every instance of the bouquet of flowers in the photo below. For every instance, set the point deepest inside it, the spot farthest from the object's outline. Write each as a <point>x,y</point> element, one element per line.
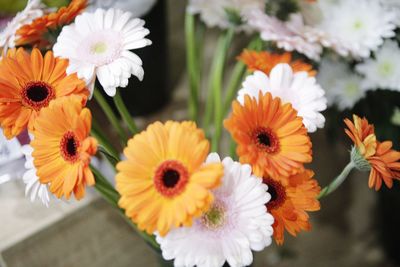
<point>194,199</point>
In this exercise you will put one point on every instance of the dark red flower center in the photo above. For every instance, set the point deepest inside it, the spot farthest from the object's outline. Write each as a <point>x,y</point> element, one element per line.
<point>171,178</point>
<point>277,192</point>
<point>265,140</point>
<point>37,94</point>
<point>69,147</point>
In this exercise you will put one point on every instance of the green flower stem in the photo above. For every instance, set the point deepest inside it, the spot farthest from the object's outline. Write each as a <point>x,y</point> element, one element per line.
<point>108,192</point>
<point>192,64</point>
<point>233,85</point>
<point>338,180</point>
<point>238,75</point>
<point>126,116</point>
<point>110,114</point>
<point>216,84</point>
<point>104,144</point>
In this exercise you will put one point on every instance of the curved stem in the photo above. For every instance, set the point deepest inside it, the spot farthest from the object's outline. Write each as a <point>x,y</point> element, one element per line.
<point>216,84</point>
<point>337,182</point>
<point>192,65</point>
<point>110,114</point>
<point>124,112</point>
<point>96,133</point>
<point>237,75</point>
<point>108,192</point>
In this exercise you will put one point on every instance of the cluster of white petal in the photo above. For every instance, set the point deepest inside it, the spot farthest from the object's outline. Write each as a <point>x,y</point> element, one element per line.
<point>214,12</point>
<point>243,224</point>
<point>98,45</point>
<point>33,10</point>
<point>352,28</point>
<point>298,89</point>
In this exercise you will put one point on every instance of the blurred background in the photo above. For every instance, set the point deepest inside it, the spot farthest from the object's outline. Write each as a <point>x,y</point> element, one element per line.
<point>355,227</point>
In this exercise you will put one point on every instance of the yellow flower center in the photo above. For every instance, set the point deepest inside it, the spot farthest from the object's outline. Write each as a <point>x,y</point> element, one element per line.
<point>215,217</point>
<point>385,69</point>
<point>99,48</point>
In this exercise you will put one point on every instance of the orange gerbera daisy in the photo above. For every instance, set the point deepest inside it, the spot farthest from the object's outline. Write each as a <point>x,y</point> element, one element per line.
<point>28,83</point>
<point>34,33</point>
<point>265,61</point>
<point>291,198</point>
<point>270,136</point>
<point>382,161</point>
<point>62,148</point>
<point>163,182</point>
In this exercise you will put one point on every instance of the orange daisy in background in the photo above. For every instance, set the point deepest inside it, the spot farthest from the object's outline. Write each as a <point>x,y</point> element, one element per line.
<point>270,136</point>
<point>382,161</point>
<point>163,182</point>
<point>28,83</point>
<point>291,198</point>
<point>35,32</point>
<point>265,61</point>
<point>62,147</point>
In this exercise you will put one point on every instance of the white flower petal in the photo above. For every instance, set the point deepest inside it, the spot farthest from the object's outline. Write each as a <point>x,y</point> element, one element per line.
<point>299,89</point>
<point>246,225</point>
<point>98,44</point>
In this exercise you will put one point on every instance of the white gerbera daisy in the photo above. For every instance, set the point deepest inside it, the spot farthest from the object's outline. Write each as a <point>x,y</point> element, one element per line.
<point>394,6</point>
<point>286,35</point>
<point>342,86</point>
<point>384,70</point>
<point>33,10</point>
<point>299,89</point>
<point>237,223</point>
<point>214,12</point>
<point>356,27</point>
<point>98,44</point>
<point>33,186</point>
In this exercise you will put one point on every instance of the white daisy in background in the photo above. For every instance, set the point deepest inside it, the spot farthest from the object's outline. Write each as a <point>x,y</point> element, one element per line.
<point>395,119</point>
<point>343,87</point>
<point>33,188</point>
<point>285,34</point>
<point>384,70</point>
<point>213,12</point>
<point>394,6</point>
<point>299,89</point>
<point>355,27</point>
<point>236,224</point>
<point>33,10</point>
<point>98,44</point>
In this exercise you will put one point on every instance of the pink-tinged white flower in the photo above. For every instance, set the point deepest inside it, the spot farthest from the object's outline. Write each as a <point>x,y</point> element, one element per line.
<point>355,27</point>
<point>33,188</point>
<point>98,45</point>
<point>289,35</point>
<point>214,12</point>
<point>299,89</point>
<point>343,87</point>
<point>236,224</point>
<point>393,6</point>
<point>382,71</point>
<point>33,10</point>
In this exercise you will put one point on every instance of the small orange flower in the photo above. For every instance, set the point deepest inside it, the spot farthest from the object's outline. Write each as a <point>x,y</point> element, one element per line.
<point>163,182</point>
<point>34,33</point>
<point>291,198</point>
<point>265,61</point>
<point>270,136</point>
<point>29,83</point>
<point>62,148</point>
<point>383,160</point>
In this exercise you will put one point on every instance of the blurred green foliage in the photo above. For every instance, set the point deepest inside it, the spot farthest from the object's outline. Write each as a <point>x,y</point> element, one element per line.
<point>10,7</point>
